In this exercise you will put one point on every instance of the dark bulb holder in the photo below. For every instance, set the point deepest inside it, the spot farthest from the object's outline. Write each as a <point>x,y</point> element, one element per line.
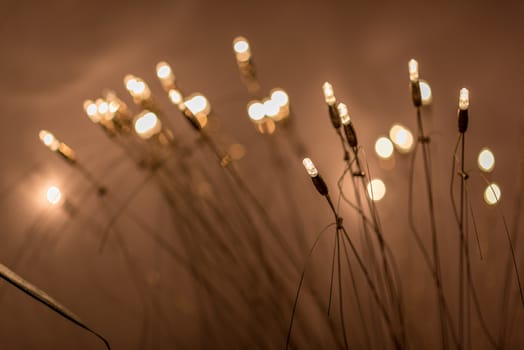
<point>191,119</point>
<point>334,116</point>
<point>416,95</point>
<point>320,185</point>
<point>463,120</point>
<point>351,135</point>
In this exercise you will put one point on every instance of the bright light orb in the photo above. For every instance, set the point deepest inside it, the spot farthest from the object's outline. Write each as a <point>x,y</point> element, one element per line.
<point>163,71</point>
<point>376,190</point>
<point>147,124</point>
<point>242,49</point>
<point>425,93</point>
<point>256,111</point>
<point>49,140</point>
<point>486,160</point>
<point>492,194</point>
<point>310,167</point>
<point>53,195</point>
<point>280,97</point>
<point>198,104</point>
<point>384,147</point>
<point>175,96</point>
<point>271,108</point>
<point>90,108</point>
<point>401,137</point>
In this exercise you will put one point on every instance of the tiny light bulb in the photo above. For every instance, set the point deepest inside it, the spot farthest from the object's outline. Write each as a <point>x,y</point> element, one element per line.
<point>310,167</point>
<point>384,147</point>
<point>90,108</point>
<point>280,97</point>
<point>343,113</point>
<point>49,140</point>
<point>163,71</point>
<point>376,190</point>
<point>413,70</point>
<point>103,106</point>
<point>271,108</point>
<point>401,137</point>
<point>198,104</point>
<point>464,99</point>
<point>53,195</point>
<point>425,93</point>
<point>175,96</point>
<point>256,111</point>
<point>242,49</point>
<point>130,82</point>
<point>486,160</point>
<point>147,124</point>
<point>492,194</point>
<point>329,94</point>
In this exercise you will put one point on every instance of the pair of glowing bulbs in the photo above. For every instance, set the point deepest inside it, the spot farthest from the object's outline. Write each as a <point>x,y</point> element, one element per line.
<point>273,107</point>
<point>399,137</point>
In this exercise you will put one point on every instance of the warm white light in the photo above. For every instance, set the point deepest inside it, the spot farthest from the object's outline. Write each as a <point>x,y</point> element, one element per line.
<point>343,113</point>
<point>114,106</point>
<point>49,140</point>
<point>175,96</point>
<point>256,111</point>
<point>103,106</point>
<point>425,93</point>
<point>197,103</point>
<point>310,167</point>
<point>271,108</point>
<point>90,108</point>
<point>464,99</point>
<point>329,94</point>
<point>147,124</point>
<point>242,49</point>
<point>53,195</point>
<point>486,160</point>
<point>137,87</point>
<point>401,137</point>
<point>413,70</point>
<point>384,147</point>
<point>163,70</point>
<point>492,194</point>
<point>376,189</point>
<point>130,82</point>
<point>280,97</point>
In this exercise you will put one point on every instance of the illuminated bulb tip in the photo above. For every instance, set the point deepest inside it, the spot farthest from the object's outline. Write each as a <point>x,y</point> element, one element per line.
<point>242,49</point>
<point>486,160</point>
<point>464,99</point>
<point>163,71</point>
<point>147,125</point>
<point>310,167</point>
<point>376,189</point>
<point>103,107</point>
<point>280,97</point>
<point>413,70</point>
<point>343,113</point>
<point>401,137</point>
<point>271,108</point>
<point>129,81</point>
<point>197,104</point>
<point>175,96</point>
<point>492,194</point>
<point>329,94</point>
<point>90,108</point>
<point>49,140</point>
<point>256,111</point>
<point>53,195</point>
<point>384,147</point>
<point>425,93</point>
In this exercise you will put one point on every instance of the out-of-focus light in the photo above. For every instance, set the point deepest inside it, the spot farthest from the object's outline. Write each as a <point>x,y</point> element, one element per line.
<point>343,113</point>
<point>53,195</point>
<point>90,108</point>
<point>401,137</point>
<point>492,194</point>
<point>413,70</point>
<point>137,87</point>
<point>486,160</point>
<point>147,124</point>
<point>271,108</point>
<point>49,140</point>
<point>280,97</point>
<point>114,106</point>
<point>256,111</point>
<point>329,94</point>
<point>197,104</point>
<point>425,93</point>
<point>376,189</point>
<point>242,49</point>
<point>464,99</point>
<point>163,70</point>
<point>103,106</point>
<point>310,167</point>
<point>384,147</point>
<point>175,96</point>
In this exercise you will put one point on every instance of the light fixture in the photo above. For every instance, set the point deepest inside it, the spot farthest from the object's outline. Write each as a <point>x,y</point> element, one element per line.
<point>464,99</point>
<point>51,142</point>
<point>413,70</point>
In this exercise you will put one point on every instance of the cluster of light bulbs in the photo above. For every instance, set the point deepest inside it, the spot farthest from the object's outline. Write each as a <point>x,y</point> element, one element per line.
<point>264,114</point>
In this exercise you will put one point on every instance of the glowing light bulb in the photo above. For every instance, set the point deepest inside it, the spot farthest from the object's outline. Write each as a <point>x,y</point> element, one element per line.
<point>376,189</point>
<point>310,167</point>
<point>147,124</point>
<point>413,70</point>
<point>425,93</point>
<point>384,147</point>
<point>163,71</point>
<point>103,106</point>
<point>49,140</point>
<point>486,160</point>
<point>90,108</point>
<point>401,137</point>
<point>242,49</point>
<point>271,108</point>
<point>256,111</point>
<point>137,87</point>
<point>175,96</point>
<point>53,195</point>
<point>492,194</point>
<point>329,94</point>
<point>464,99</point>
<point>343,113</point>
<point>197,104</point>
<point>129,81</point>
<point>280,97</point>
